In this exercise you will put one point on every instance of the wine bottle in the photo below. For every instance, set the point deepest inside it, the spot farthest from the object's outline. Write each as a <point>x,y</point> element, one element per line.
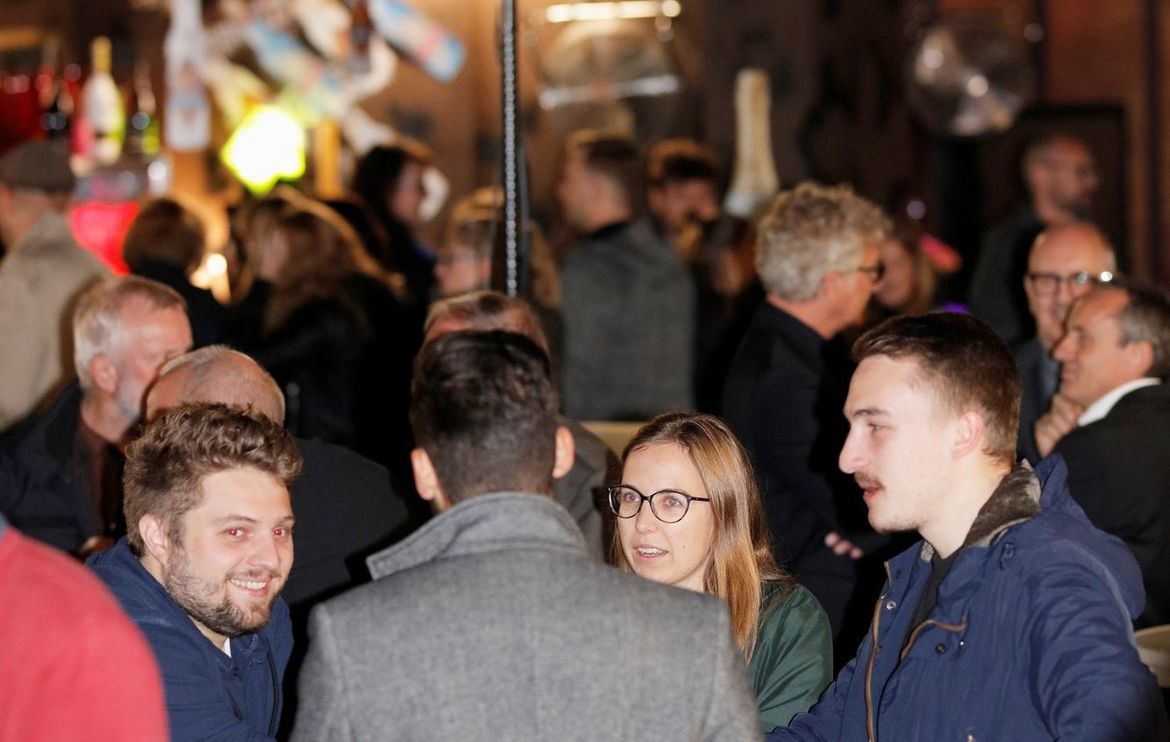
<point>754,181</point>
<point>103,105</point>
<point>188,113</point>
<point>142,123</point>
<point>55,100</point>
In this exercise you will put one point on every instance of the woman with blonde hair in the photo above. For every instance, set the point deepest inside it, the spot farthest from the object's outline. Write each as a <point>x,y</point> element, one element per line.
<point>689,515</point>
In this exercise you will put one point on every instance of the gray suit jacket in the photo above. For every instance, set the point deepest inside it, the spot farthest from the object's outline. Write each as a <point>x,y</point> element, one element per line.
<point>491,623</point>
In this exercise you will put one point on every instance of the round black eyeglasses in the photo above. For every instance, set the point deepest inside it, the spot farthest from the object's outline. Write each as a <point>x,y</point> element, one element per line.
<point>668,506</point>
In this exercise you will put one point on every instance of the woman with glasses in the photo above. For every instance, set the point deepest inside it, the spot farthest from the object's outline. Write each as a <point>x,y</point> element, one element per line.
<point>689,515</point>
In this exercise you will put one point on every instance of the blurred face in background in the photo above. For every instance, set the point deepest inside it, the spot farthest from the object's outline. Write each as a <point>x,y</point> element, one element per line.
<point>575,189</point>
<point>460,267</point>
<point>678,203</point>
<point>1066,174</point>
<point>897,285</point>
<point>149,337</point>
<point>408,194</point>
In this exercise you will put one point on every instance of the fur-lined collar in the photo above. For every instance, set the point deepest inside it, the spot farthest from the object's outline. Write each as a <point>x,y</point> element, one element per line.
<point>1016,499</point>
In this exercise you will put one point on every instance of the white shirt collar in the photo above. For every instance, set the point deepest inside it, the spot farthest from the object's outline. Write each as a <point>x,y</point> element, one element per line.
<point>1102,406</point>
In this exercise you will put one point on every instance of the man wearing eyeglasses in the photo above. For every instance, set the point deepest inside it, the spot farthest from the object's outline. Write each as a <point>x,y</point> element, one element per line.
<point>1061,177</point>
<point>492,623</point>
<point>1065,263</point>
<point>1113,360</point>
<point>817,258</point>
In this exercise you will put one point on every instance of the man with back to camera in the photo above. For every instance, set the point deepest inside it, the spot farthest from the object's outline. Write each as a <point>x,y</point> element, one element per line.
<point>1065,262</point>
<point>627,300</point>
<point>817,258</point>
<point>207,552</point>
<point>580,489</point>
<point>1114,358</point>
<point>1061,178</point>
<point>66,467</point>
<point>492,622</point>
<point>1011,618</point>
<point>41,276</point>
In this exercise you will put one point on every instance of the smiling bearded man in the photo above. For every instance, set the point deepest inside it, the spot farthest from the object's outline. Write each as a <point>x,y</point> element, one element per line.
<point>208,549</point>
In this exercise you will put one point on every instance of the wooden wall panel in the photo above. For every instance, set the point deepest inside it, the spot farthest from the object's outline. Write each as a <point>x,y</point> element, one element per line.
<point>1096,53</point>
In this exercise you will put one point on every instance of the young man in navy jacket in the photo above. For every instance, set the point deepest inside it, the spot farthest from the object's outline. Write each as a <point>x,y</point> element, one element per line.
<point>1011,618</point>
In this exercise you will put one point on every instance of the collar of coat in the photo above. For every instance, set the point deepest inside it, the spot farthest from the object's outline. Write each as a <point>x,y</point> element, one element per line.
<point>1015,500</point>
<point>47,234</point>
<point>501,521</point>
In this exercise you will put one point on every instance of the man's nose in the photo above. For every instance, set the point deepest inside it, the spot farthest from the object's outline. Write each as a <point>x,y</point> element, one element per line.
<point>850,459</point>
<point>268,553</point>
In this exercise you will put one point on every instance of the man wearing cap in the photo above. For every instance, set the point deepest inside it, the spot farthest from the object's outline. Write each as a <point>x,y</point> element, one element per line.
<point>42,274</point>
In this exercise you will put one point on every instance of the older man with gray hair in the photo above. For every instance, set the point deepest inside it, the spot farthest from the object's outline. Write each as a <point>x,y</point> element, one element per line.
<point>817,258</point>
<point>1114,358</point>
<point>66,468</point>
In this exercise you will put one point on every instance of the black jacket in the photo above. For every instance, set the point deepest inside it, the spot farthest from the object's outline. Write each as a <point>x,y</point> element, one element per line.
<point>42,492</point>
<point>784,398</point>
<point>1038,376</point>
<point>1119,473</point>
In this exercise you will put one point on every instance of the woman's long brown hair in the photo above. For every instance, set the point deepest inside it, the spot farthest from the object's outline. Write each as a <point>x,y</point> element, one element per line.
<point>741,556</point>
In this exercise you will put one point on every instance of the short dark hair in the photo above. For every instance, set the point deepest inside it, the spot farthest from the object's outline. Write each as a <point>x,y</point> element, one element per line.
<point>165,231</point>
<point>966,364</point>
<point>613,156</point>
<point>678,160</point>
<point>166,466</point>
<point>1146,317</point>
<point>484,409</point>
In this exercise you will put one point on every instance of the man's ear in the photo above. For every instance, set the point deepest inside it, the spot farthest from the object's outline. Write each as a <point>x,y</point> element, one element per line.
<point>104,373</point>
<point>830,283</point>
<point>426,481</point>
<point>155,541</point>
<point>1139,355</point>
<point>566,452</point>
<point>968,434</point>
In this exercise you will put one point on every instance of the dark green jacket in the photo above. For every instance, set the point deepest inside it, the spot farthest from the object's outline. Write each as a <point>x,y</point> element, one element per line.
<point>793,660</point>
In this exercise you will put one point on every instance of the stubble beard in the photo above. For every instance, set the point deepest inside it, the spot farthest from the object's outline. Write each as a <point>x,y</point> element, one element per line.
<point>196,597</point>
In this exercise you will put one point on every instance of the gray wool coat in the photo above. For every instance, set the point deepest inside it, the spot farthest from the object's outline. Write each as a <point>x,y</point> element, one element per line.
<point>491,623</point>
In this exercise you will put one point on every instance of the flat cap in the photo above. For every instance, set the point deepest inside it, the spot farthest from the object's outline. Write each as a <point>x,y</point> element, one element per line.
<point>41,166</point>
